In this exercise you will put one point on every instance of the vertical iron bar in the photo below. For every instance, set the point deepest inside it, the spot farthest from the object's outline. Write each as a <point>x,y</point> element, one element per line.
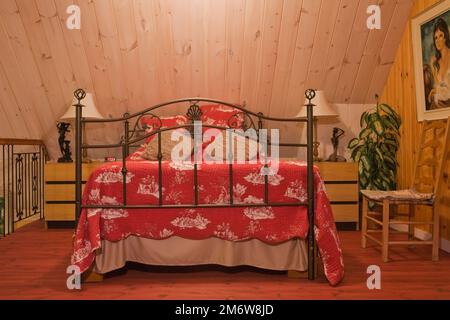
<point>310,94</point>
<point>15,186</point>
<point>8,193</point>
<point>11,217</point>
<point>18,183</point>
<point>124,161</point>
<point>127,135</point>
<point>41,177</point>
<point>34,183</point>
<point>3,214</point>
<point>27,183</point>
<point>30,181</point>
<point>266,183</point>
<point>79,95</point>
<point>195,184</point>
<point>160,195</point>
<point>230,158</point>
<point>124,172</point>
<point>231,183</point>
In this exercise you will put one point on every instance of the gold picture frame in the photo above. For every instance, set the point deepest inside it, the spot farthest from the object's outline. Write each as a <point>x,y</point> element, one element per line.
<point>431,53</point>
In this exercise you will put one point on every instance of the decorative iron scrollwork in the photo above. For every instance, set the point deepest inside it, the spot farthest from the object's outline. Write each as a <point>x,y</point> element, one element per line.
<point>153,122</point>
<point>241,120</point>
<point>19,186</point>
<point>194,113</point>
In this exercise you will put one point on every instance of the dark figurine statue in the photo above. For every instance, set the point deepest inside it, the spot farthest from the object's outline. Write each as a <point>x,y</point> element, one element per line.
<point>337,133</point>
<point>64,145</point>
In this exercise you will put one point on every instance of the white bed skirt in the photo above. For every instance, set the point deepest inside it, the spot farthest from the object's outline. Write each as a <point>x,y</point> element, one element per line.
<point>176,251</point>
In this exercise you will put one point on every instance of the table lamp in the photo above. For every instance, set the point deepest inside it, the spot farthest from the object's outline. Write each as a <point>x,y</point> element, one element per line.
<point>322,109</point>
<point>90,111</point>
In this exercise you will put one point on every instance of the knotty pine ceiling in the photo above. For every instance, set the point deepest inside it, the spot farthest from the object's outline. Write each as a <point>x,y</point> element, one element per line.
<point>134,53</point>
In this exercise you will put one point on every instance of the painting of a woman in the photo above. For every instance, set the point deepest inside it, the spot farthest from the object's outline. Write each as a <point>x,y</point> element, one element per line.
<point>431,51</point>
<point>437,72</point>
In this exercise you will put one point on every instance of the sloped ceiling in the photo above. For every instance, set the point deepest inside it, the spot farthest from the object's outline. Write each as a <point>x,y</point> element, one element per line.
<point>132,54</point>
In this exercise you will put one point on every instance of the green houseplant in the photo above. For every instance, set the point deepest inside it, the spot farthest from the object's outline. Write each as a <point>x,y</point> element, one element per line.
<point>376,147</point>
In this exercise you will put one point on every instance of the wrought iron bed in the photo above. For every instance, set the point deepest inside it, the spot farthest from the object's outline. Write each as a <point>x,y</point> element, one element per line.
<point>134,133</point>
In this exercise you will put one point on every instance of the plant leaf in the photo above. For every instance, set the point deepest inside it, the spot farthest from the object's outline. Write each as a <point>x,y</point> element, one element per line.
<point>356,154</point>
<point>387,109</point>
<point>353,143</point>
<point>363,118</point>
<point>365,133</point>
<point>366,162</point>
<point>378,127</point>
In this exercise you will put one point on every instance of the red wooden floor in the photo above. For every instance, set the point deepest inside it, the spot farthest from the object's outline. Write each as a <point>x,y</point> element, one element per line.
<point>34,260</point>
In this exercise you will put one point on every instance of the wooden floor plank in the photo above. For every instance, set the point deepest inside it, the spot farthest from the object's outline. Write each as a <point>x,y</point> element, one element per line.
<point>34,261</point>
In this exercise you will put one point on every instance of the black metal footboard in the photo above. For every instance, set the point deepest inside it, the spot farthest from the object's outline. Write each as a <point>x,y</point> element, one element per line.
<point>134,133</point>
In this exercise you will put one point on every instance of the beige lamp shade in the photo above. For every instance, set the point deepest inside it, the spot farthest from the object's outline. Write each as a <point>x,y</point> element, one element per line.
<point>322,108</point>
<point>89,110</point>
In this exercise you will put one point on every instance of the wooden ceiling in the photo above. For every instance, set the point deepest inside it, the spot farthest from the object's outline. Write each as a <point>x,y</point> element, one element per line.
<point>132,54</point>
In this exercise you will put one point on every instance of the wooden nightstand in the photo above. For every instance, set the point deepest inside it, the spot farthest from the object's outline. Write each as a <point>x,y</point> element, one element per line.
<point>60,192</point>
<point>341,182</point>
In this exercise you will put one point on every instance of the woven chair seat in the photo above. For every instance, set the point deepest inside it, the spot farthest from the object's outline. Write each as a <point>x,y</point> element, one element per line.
<point>408,195</point>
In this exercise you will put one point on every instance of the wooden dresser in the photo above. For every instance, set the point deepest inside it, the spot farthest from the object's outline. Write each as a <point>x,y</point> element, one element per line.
<point>60,192</point>
<point>341,183</point>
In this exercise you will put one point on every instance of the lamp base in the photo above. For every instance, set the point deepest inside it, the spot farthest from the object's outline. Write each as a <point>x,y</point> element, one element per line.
<point>86,160</point>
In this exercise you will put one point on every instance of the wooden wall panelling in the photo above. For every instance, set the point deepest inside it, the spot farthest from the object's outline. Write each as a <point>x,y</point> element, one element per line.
<point>77,53</point>
<point>146,15</point>
<point>389,48</point>
<point>7,129</point>
<point>292,14</point>
<point>199,17</point>
<point>302,56</point>
<point>370,58</point>
<point>102,76</point>
<point>234,47</point>
<point>270,32</point>
<point>295,68</point>
<point>326,23</point>
<point>128,46</point>
<point>108,34</point>
<point>251,55</point>
<point>13,112</point>
<point>339,44</point>
<point>353,56</point>
<point>216,46</point>
<point>399,92</point>
<point>46,65</point>
<point>97,62</point>
<point>46,10</point>
<point>22,47</point>
<point>182,48</point>
<point>14,79</point>
<point>73,41</point>
<point>133,54</point>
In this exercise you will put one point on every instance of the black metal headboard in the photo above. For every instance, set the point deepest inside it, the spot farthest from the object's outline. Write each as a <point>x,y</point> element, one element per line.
<point>131,136</point>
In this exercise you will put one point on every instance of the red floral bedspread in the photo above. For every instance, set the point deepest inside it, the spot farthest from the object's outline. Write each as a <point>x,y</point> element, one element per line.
<point>269,224</point>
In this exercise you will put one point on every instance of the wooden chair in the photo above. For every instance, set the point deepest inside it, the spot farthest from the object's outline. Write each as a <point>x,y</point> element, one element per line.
<point>429,173</point>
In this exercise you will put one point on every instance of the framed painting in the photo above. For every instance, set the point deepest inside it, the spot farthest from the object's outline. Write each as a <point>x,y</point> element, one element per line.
<point>431,51</point>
